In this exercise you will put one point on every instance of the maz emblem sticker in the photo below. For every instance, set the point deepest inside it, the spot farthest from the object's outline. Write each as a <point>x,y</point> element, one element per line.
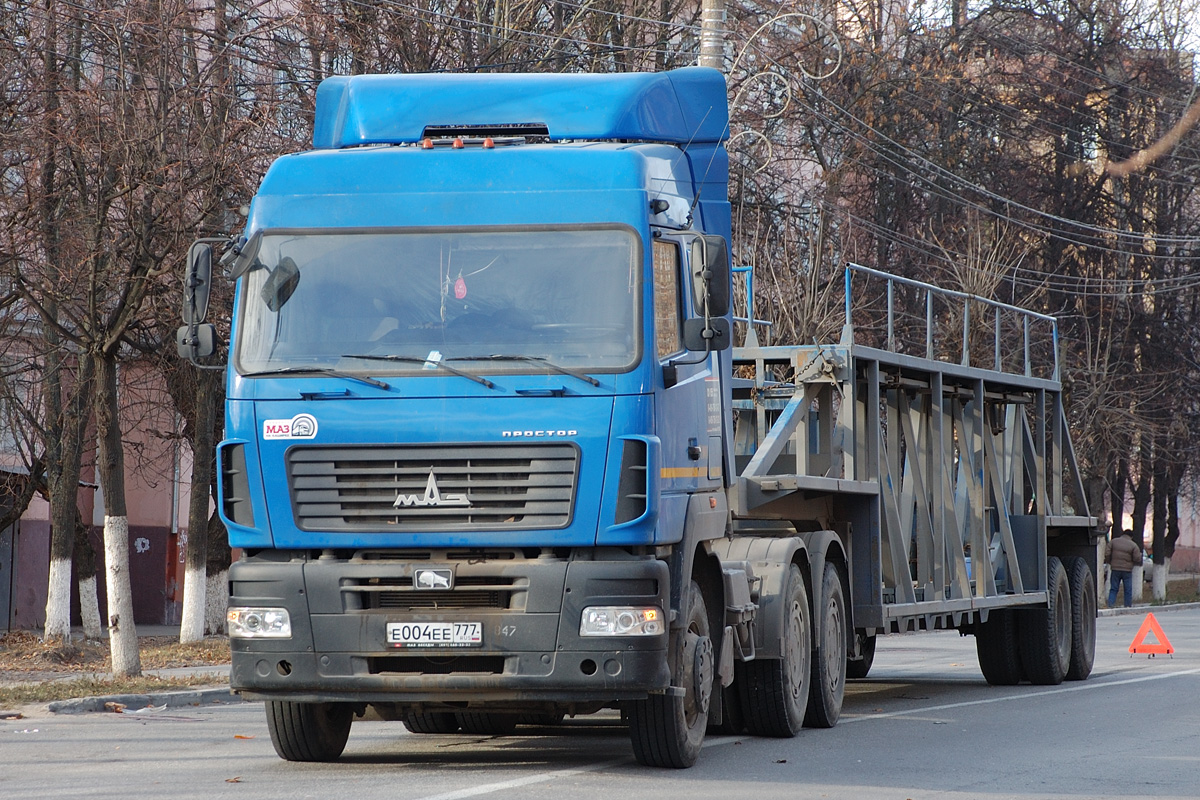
<point>301,426</point>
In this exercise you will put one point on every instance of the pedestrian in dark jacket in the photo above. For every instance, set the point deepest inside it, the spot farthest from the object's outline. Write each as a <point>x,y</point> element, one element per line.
<point>1122,554</point>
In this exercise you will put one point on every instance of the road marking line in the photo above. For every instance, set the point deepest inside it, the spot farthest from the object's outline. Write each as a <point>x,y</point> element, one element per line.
<point>542,777</point>
<point>1080,687</point>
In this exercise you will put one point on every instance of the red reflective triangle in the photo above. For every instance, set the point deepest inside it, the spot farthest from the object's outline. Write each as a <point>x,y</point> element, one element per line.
<point>1151,626</point>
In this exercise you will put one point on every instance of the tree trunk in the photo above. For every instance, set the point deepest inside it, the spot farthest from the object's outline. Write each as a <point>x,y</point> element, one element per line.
<point>192,624</point>
<point>1158,532</point>
<point>110,463</point>
<point>217,569</point>
<point>84,564</point>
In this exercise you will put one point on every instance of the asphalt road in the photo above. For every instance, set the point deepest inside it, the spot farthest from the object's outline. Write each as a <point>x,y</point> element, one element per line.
<point>924,725</point>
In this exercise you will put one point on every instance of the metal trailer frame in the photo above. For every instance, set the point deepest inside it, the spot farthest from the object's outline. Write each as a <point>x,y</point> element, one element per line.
<point>949,484</point>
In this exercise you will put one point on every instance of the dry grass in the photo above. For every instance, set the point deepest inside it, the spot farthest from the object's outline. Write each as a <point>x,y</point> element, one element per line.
<point>23,651</point>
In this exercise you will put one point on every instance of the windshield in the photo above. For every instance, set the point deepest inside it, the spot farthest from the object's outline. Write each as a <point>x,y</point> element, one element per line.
<point>328,299</point>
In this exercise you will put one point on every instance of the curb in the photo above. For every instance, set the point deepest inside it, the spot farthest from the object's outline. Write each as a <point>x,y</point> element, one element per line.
<point>198,697</point>
<point>1143,609</point>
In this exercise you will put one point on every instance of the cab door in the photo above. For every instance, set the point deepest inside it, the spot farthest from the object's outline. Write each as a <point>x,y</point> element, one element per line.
<point>687,395</point>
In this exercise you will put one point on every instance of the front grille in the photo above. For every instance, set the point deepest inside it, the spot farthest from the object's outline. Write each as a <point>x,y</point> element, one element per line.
<point>469,592</point>
<point>474,487</point>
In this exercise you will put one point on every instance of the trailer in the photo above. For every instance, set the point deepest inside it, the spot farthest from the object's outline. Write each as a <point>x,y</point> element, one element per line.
<point>491,458</point>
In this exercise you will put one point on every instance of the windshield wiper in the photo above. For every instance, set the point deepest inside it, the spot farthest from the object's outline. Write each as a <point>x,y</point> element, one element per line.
<point>545,362</point>
<point>418,360</point>
<point>332,373</point>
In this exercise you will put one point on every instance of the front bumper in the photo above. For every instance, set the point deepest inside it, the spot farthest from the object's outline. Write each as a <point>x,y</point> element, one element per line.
<point>529,609</point>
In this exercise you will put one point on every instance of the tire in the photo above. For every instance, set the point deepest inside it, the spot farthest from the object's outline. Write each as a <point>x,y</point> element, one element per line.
<point>775,692</point>
<point>309,731</point>
<point>1083,618</point>
<point>1045,633</point>
<point>667,730</point>
<point>486,723</point>
<point>828,685</point>
<point>859,669</point>
<point>996,646</point>
<point>431,722</point>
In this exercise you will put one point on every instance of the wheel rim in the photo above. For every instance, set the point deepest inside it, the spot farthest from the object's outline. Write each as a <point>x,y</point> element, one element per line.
<point>795,661</point>
<point>834,645</point>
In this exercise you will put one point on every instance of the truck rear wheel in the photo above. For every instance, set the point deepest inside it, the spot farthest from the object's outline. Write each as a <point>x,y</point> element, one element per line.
<point>486,723</point>
<point>829,653</point>
<point>431,722</point>
<point>996,646</point>
<point>1046,632</point>
<point>775,692</point>
<point>667,730</point>
<point>1083,618</point>
<point>860,668</point>
<point>309,731</point>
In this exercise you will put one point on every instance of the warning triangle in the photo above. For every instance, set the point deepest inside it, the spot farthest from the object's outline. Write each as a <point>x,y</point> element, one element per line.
<point>1151,626</point>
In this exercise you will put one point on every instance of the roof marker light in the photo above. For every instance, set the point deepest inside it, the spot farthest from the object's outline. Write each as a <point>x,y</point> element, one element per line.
<point>488,144</point>
<point>458,144</point>
<point>427,143</point>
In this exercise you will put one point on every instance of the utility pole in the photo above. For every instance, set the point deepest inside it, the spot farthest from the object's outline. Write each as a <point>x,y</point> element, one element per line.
<point>712,34</point>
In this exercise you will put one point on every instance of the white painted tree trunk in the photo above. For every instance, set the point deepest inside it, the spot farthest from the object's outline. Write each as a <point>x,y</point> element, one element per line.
<point>1138,581</point>
<point>1158,581</point>
<point>89,610</point>
<point>191,626</point>
<point>122,634</point>
<point>216,601</point>
<point>58,601</point>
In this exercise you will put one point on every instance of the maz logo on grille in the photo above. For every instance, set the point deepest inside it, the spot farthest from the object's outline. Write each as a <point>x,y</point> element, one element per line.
<point>432,497</point>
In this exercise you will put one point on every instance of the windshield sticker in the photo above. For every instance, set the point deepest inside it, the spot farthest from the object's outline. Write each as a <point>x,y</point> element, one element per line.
<point>460,288</point>
<point>301,426</point>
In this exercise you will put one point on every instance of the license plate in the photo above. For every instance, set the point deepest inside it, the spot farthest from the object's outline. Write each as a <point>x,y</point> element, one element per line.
<point>435,634</point>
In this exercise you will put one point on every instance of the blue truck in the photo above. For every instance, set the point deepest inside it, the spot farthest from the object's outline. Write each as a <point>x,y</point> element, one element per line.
<point>491,457</point>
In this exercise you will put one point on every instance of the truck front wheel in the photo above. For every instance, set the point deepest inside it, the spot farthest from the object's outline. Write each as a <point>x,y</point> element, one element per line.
<point>309,731</point>
<point>667,730</point>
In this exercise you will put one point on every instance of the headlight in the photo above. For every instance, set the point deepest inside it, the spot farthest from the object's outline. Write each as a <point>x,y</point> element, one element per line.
<point>621,621</point>
<point>259,623</point>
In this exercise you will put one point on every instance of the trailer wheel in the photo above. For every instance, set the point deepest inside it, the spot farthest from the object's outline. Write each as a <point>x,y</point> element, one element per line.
<point>1083,618</point>
<point>309,731</point>
<point>829,653</point>
<point>996,646</point>
<point>667,730</point>
<point>431,722</point>
<point>486,723</point>
<point>1046,632</point>
<point>860,668</point>
<point>775,692</point>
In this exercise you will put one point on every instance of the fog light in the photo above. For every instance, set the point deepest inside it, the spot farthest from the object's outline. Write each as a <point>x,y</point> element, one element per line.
<point>621,621</point>
<point>248,622</point>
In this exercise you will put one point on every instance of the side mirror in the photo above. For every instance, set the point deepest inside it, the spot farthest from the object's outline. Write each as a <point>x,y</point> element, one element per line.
<point>706,336</point>
<point>197,282</point>
<point>196,341</point>
<point>710,275</point>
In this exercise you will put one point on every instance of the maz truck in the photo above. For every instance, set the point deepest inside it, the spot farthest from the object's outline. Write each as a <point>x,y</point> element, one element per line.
<point>491,458</point>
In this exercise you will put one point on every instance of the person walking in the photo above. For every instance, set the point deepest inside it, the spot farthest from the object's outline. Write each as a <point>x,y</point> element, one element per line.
<point>1121,554</point>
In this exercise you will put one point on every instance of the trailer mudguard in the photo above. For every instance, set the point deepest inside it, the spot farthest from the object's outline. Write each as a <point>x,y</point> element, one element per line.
<point>825,546</point>
<point>769,558</point>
